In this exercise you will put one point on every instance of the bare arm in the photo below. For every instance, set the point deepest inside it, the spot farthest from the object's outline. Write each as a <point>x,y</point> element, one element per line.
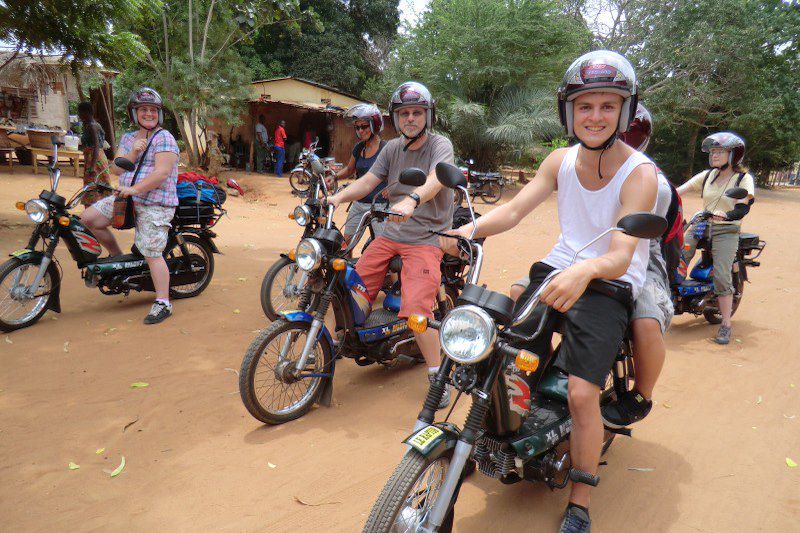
<point>637,194</point>
<point>356,191</point>
<point>348,169</point>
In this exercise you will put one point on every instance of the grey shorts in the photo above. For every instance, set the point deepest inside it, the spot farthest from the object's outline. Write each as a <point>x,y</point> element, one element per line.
<point>654,301</point>
<point>523,282</point>
<point>152,225</point>
<point>357,210</point>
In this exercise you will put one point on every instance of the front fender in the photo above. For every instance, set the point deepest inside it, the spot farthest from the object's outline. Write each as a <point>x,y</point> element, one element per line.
<point>435,439</point>
<point>54,304</point>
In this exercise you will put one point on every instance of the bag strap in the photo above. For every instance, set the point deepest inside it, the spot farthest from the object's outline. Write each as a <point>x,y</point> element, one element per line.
<point>141,157</point>
<point>705,179</point>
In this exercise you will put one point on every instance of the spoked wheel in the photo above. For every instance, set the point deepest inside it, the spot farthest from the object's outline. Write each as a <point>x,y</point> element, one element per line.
<point>200,266</point>
<point>281,288</point>
<point>299,181</point>
<point>407,499</point>
<point>613,387</point>
<point>270,388</point>
<point>713,315</point>
<point>492,193</point>
<point>18,308</point>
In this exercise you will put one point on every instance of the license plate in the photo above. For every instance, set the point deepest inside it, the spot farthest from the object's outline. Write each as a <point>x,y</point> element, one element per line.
<point>423,438</point>
<point>20,253</point>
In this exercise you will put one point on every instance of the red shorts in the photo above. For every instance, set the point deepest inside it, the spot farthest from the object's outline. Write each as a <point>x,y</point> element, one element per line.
<point>420,277</point>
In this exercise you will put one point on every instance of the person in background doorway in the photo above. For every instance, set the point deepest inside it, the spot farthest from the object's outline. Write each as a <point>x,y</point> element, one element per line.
<point>280,148</point>
<point>262,142</point>
<point>95,162</point>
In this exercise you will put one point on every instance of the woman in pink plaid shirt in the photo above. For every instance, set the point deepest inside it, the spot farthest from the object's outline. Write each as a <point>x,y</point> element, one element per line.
<point>154,196</point>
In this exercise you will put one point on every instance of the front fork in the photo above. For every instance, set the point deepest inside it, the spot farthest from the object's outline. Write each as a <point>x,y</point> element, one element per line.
<point>30,291</point>
<point>316,325</point>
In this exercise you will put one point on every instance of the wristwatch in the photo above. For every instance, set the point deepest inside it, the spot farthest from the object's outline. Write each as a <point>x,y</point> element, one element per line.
<point>414,196</point>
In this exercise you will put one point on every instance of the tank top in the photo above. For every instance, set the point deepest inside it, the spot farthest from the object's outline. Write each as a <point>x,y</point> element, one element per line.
<point>585,214</point>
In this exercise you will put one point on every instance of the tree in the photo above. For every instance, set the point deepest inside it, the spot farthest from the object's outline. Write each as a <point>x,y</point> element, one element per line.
<point>193,61</point>
<point>711,65</point>
<point>347,50</point>
<point>85,30</point>
<point>481,58</point>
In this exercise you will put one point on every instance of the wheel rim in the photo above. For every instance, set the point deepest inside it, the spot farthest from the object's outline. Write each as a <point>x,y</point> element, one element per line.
<point>276,395</point>
<point>418,501</point>
<point>14,310</point>
<point>198,259</point>
<point>284,293</point>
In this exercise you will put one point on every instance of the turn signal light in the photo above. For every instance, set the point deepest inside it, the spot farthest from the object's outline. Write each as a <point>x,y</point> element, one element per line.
<point>527,361</point>
<point>64,221</point>
<point>292,254</point>
<point>338,264</point>
<point>20,206</point>
<point>321,220</point>
<point>418,323</point>
<point>291,216</point>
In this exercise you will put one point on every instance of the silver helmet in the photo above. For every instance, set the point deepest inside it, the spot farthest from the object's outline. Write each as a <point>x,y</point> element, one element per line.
<point>725,140</point>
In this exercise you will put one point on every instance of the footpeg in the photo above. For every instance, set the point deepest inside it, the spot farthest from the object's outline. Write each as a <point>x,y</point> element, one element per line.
<point>579,476</point>
<point>627,432</point>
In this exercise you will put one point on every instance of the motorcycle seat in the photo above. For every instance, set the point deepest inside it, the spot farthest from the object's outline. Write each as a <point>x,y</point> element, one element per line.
<point>119,258</point>
<point>396,264</point>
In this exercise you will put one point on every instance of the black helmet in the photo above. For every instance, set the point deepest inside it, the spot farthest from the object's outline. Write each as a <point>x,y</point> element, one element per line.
<point>598,71</point>
<point>725,140</point>
<point>640,130</point>
<point>369,113</point>
<point>412,93</point>
<point>145,96</point>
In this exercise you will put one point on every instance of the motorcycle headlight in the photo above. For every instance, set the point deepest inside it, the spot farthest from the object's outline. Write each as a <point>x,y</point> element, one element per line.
<point>308,255</point>
<point>302,215</point>
<point>37,210</point>
<point>467,334</point>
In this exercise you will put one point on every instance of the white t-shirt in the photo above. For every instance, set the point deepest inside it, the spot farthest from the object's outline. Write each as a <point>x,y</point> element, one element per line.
<point>261,133</point>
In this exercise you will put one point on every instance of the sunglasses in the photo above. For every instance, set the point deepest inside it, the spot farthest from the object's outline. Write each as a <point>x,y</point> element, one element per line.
<point>362,128</point>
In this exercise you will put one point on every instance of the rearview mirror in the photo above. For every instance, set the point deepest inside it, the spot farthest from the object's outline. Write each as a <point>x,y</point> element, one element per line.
<point>413,176</point>
<point>125,164</point>
<point>450,176</point>
<point>643,225</point>
<point>737,193</point>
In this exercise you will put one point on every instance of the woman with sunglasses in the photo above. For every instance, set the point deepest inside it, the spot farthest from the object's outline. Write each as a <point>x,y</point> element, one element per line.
<point>368,123</point>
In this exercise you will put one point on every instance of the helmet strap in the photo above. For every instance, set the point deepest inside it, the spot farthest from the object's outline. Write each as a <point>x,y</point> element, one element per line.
<point>602,148</point>
<point>412,140</point>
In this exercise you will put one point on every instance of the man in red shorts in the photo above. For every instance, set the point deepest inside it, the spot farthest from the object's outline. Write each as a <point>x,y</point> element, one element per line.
<point>424,208</point>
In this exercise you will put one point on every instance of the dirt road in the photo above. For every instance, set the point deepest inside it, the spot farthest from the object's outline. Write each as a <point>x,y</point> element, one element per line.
<point>714,447</point>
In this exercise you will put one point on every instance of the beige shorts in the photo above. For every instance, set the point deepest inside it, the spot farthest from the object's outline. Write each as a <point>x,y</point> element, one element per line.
<point>152,225</point>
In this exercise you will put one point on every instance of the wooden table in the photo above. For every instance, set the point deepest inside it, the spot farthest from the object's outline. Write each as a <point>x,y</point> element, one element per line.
<point>74,158</point>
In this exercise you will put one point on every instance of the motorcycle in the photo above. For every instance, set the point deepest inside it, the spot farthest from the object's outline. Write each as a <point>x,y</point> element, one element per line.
<point>696,294</point>
<point>31,279</point>
<point>290,365</point>
<point>519,424</point>
<point>301,176</point>
<point>488,185</point>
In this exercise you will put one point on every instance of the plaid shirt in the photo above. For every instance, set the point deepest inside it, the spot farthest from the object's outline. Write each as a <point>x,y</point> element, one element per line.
<point>165,193</point>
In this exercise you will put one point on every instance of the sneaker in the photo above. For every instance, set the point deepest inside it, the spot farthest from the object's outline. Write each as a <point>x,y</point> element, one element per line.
<point>630,408</point>
<point>158,313</point>
<point>445,401</point>
<point>723,335</point>
<point>576,520</point>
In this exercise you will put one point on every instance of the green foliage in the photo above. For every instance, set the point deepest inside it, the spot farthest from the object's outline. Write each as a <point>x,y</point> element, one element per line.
<point>711,65</point>
<point>344,49</point>
<point>86,30</point>
<point>493,66</point>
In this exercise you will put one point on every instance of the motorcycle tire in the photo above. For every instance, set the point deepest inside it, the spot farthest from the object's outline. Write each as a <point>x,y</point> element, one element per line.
<point>299,181</point>
<point>273,299</point>
<point>201,256</point>
<point>492,193</point>
<point>27,269</point>
<point>712,314</point>
<point>387,509</point>
<point>257,369</point>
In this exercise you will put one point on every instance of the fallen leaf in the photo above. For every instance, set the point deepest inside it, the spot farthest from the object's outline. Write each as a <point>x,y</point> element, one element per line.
<point>789,417</point>
<point>66,347</point>
<point>790,463</point>
<point>139,385</point>
<point>236,311</point>
<point>99,451</point>
<point>739,341</point>
<point>791,385</point>
<point>302,502</point>
<point>758,401</point>
<point>129,424</point>
<point>242,279</point>
<point>73,466</point>
<point>8,340</point>
<point>271,465</point>
<point>754,427</point>
<point>110,330</point>
<point>53,318</point>
<point>117,471</point>
<point>668,406</point>
<point>635,469</point>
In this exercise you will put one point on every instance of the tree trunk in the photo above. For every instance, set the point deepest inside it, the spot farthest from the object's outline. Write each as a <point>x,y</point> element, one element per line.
<point>182,120</point>
<point>691,148</point>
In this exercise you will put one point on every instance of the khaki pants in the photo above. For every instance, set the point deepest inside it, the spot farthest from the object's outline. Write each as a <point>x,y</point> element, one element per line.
<point>724,244</point>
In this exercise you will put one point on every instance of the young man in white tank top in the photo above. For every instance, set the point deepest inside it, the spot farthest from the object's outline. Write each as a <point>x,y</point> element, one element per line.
<point>598,182</point>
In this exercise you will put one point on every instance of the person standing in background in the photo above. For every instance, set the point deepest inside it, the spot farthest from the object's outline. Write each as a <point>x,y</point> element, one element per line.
<point>280,148</point>
<point>95,166</point>
<point>262,148</point>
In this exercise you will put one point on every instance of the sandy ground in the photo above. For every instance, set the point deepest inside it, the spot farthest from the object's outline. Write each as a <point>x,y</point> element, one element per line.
<point>714,447</point>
